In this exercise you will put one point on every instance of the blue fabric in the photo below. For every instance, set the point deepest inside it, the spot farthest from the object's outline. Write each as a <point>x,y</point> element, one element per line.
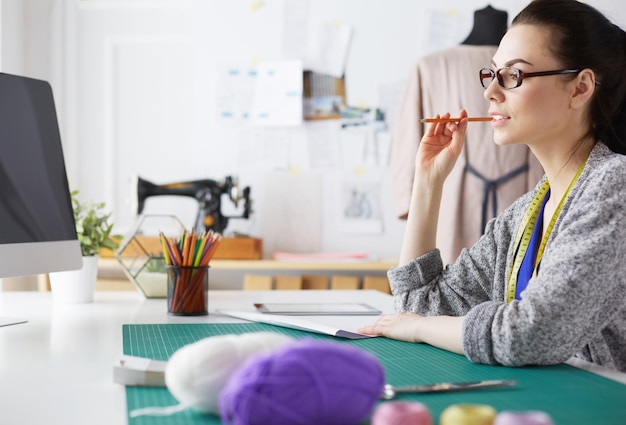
<point>528,264</point>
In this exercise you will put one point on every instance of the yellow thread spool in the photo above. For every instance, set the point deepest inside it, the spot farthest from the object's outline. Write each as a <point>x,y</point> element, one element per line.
<point>468,414</point>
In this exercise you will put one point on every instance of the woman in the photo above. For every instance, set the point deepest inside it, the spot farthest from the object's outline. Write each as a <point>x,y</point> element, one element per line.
<point>547,281</point>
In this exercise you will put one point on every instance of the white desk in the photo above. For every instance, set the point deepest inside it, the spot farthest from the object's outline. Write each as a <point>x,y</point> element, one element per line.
<point>58,367</point>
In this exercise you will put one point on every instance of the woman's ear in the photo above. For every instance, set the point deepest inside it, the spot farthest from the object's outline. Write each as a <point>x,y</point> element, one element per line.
<point>584,86</point>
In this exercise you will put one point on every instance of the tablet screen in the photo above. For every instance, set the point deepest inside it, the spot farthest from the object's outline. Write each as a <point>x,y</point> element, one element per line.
<point>312,309</point>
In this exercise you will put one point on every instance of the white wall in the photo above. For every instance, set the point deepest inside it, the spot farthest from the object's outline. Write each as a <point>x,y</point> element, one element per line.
<point>11,36</point>
<point>135,86</point>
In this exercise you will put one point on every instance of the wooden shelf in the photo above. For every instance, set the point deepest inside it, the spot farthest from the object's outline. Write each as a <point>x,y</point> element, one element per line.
<point>112,264</point>
<point>302,265</point>
<point>230,274</point>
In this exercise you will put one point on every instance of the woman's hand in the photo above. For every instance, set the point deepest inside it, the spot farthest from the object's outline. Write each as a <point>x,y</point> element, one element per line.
<point>445,332</point>
<point>402,326</point>
<point>441,146</point>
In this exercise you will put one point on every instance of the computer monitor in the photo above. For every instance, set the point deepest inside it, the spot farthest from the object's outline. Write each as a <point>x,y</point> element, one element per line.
<point>37,229</point>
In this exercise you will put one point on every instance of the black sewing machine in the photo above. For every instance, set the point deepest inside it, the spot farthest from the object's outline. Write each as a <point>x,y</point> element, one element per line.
<point>207,192</point>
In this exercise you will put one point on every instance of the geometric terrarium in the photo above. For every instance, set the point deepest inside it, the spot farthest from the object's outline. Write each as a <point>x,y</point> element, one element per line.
<point>141,253</point>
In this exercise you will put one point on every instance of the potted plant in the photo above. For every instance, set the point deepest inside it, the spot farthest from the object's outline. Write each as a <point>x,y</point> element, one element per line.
<point>93,227</point>
<point>94,232</point>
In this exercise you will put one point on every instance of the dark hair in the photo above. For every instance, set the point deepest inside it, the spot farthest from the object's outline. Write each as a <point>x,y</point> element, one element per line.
<point>584,38</point>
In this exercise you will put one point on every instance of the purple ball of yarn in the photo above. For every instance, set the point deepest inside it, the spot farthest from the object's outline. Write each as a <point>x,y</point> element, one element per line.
<point>307,382</point>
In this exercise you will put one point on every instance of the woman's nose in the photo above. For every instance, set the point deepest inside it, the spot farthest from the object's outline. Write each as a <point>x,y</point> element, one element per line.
<point>493,91</point>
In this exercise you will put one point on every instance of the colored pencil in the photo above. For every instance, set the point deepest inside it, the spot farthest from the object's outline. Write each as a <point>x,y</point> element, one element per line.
<point>191,249</point>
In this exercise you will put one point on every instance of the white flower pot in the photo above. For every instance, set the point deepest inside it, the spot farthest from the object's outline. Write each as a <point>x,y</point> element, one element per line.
<point>75,286</point>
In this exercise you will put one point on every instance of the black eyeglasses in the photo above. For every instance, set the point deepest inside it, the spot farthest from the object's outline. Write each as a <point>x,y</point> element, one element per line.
<point>510,78</point>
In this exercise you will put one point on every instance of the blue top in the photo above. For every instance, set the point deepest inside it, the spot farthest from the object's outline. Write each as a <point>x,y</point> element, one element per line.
<point>528,264</point>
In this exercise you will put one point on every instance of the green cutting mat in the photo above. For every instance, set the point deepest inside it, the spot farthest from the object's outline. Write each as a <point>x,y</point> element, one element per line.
<point>570,395</point>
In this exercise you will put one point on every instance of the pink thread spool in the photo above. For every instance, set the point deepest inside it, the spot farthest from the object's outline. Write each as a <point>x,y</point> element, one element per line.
<point>401,413</point>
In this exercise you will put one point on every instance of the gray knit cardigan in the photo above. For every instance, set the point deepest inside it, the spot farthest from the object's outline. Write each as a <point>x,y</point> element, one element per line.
<point>575,306</point>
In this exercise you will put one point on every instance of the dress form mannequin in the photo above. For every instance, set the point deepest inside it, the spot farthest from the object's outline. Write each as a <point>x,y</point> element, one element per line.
<point>487,178</point>
<point>489,26</point>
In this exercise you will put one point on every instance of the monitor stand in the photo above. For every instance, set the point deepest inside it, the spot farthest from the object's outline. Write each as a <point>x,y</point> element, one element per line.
<point>7,321</point>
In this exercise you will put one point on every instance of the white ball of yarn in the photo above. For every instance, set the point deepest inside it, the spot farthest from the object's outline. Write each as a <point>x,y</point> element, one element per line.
<point>196,373</point>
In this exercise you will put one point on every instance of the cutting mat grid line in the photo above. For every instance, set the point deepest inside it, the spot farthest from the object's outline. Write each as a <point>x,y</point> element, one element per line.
<point>571,396</point>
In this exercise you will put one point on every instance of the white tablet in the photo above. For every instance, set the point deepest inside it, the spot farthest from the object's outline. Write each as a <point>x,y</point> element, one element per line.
<point>318,309</point>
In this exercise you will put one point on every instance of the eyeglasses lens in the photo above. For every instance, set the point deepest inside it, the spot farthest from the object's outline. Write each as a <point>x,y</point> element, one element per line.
<point>508,78</point>
<point>486,76</point>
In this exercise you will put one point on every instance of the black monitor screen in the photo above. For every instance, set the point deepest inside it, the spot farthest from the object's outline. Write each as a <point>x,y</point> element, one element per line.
<point>34,203</point>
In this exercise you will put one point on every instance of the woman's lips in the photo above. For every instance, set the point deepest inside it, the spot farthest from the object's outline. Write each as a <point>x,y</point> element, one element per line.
<point>499,119</point>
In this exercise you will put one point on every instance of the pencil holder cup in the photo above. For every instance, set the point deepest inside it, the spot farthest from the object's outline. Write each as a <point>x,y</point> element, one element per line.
<point>187,290</point>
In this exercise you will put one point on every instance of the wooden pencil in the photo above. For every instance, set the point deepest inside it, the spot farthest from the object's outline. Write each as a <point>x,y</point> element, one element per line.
<point>470,119</point>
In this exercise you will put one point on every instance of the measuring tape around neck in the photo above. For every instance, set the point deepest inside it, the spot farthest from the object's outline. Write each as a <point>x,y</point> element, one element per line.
<point>525,231</point>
